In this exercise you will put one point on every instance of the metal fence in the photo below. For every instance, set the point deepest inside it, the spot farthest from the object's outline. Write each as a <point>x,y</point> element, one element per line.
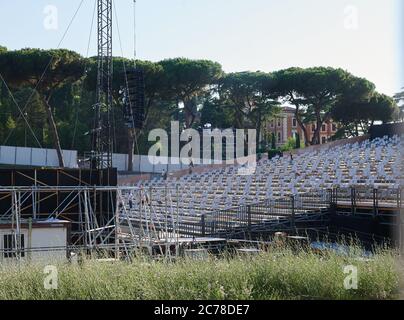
<point>367,199</point>
<point>274,211</point>
<point>290,210</point>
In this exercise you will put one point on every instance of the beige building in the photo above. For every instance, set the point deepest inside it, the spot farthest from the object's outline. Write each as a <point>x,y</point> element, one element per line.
<point>285,126</point>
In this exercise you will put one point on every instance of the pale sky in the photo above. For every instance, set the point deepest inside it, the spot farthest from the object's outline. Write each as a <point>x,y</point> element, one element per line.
<point>362,36</point>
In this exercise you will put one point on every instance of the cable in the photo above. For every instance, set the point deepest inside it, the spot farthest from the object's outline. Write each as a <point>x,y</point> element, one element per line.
<point>134,62</point>
<point>47,67</point>
<point>126,77</point>
<point>134,34</point>
<point>91,28</point>
<point>85,71</point>
<point>21,113</point>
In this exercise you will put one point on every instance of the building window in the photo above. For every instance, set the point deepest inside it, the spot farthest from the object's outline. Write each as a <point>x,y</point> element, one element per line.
<point>323,140</point>
<point>313,128</point>
<point>334,127</point>
<point>279,122</point>
<point>294,122</point>
<point>324,128</point>
<point>9,246</point>
<point>272,123</point>
<point>279,137</point>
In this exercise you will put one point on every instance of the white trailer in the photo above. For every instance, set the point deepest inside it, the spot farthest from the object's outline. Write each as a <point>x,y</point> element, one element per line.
<point>36,241</point>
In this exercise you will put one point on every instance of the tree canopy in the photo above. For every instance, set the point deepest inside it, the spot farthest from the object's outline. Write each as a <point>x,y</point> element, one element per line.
<point>58,89</point>
<point>250,97</point>
<point>185,80</point>
<point>399,98</point>
<point>45,71</point>
<point>357,115</point>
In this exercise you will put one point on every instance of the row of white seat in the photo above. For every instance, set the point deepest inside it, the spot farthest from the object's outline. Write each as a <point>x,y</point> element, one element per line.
<point>378,162</point>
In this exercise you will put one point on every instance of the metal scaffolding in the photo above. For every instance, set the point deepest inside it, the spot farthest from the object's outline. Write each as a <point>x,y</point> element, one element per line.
<point>154,220</point>
<point>119,227</point>
<point>102,135</point>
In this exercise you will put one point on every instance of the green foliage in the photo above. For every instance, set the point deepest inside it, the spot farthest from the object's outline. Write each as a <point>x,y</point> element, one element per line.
<point>217,115</point>
<point>185,80</point>
<point>194,92</point>
<point>279,274</point>
<point>298,142</point>
<point>289,145</point>
<point>273,140</point>
<point>10,124</point>
<point>251,99</point>
<point>27,66</point>
<point>316,92</point>
<point>46,71</point>
<point>357,115</point>
<point>399,98</point>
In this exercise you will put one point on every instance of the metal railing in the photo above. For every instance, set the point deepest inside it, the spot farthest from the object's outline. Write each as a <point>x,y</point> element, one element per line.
<point>270,212</point>
<point>165,221</point>
<point>287,211</point>
<point>367,199</point>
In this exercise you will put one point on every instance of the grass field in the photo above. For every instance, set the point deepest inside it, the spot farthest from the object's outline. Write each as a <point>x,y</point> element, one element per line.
<point>279,274</point>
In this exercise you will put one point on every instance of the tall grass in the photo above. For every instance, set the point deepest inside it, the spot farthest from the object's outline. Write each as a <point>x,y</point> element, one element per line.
<point>279,274</point>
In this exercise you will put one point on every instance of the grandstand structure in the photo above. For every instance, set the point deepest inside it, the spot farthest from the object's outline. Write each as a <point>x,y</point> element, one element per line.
<point>349,188</point>
<point>370,163</point>
<point>282,193</point>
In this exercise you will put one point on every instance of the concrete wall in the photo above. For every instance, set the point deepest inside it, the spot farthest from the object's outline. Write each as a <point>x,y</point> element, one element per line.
<point>33,157</point>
